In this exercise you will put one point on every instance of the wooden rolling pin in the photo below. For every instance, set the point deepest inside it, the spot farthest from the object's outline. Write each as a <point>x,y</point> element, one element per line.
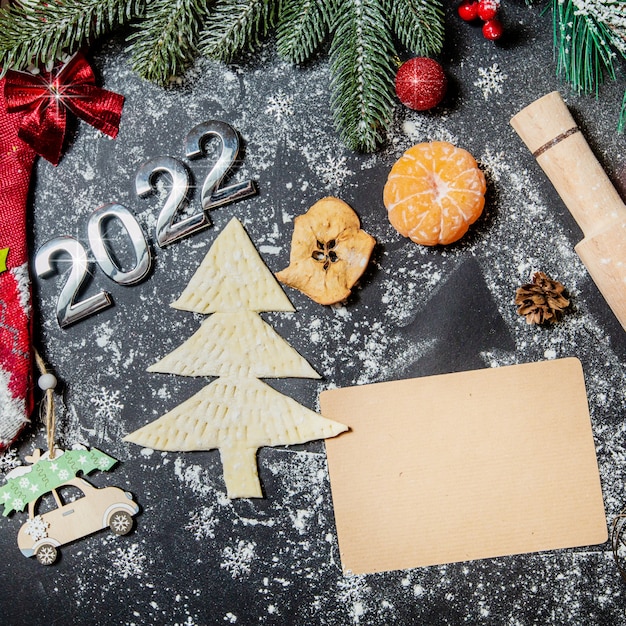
<point>548,129</point>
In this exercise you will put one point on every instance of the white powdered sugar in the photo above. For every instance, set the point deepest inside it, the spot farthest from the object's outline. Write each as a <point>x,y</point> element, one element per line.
<point>197,557</point>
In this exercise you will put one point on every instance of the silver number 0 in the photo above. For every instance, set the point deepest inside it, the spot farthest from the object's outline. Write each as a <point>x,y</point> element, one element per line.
<point>102,253</point>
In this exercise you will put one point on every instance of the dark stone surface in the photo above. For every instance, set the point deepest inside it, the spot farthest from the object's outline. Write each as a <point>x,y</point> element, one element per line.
<point>197,558</point>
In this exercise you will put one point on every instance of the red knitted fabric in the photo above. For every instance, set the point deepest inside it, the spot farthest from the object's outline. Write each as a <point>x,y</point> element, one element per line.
<point>16,162</point>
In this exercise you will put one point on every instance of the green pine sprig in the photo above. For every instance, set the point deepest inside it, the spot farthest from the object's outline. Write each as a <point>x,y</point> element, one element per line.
<point>362,74</point>
<point>35,32</point>
<point>588,39</point>
<point>418,24</point>
<point>302,27</point>
<point>234,26</point>
<point>164,43</point>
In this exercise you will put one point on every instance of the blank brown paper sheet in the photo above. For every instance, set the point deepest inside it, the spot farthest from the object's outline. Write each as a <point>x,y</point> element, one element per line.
<point>464,466</point>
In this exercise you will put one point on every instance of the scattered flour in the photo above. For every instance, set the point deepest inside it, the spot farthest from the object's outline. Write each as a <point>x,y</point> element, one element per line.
<point>287,541</point>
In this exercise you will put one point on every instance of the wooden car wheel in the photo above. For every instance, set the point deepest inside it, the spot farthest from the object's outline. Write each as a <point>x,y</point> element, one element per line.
<point>46,554</point>
<point>121,522</point>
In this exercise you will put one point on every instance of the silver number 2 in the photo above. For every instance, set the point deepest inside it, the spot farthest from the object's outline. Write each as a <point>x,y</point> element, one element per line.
<point>69,310</point>
<point>195,142</point>
<point>167,230</point>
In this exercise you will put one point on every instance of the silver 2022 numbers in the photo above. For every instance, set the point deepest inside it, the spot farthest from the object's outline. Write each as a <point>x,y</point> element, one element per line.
<point>71,309</point>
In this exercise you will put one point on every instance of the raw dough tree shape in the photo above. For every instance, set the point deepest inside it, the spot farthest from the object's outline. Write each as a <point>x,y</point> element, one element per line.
<point>236,413</point>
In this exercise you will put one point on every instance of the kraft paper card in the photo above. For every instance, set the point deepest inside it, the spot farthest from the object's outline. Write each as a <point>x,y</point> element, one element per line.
<point>464,466</point>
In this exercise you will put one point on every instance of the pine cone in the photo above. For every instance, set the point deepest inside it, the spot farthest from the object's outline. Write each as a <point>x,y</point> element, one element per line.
<point>541,301</point>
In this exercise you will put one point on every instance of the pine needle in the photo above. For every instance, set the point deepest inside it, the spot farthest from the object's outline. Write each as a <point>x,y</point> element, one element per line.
<point>35,32</point>
<point>588,37</point>
<point>302,26</point>
<point>362,69</point>
<point>234,26</point>
<point>418,24</point>
<point>165,44</point>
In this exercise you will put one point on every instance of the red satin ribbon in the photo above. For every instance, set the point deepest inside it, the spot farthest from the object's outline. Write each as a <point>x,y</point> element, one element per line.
<point>43,100</point>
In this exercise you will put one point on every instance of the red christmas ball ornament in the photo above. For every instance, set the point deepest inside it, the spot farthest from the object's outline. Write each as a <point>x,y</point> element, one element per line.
<point>493,29</point>
<point>468,10</point>
<point>421,83</point>
<point>487,9</point>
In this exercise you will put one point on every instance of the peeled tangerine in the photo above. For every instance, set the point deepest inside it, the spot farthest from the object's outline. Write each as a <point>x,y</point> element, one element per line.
<point>434,192</point>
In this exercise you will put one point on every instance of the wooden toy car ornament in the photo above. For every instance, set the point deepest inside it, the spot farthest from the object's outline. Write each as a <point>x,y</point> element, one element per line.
<point>75,508</point>
<point>62,506</point>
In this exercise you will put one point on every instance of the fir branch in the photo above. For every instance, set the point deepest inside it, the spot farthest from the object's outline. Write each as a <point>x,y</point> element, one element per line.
<point>418,24</point>
<point>302,26</point>
<point>236,25</point>
<point>583,47</point>
<point>165,43</point>
<point>587,36</point>
<point>361,58</point>
<point>35,32</point>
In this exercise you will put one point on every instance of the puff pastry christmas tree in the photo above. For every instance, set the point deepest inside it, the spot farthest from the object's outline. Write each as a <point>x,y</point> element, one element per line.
<point>236,413</point>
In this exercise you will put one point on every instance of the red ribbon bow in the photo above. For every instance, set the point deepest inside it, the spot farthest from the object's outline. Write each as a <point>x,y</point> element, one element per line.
<point>44,99</point>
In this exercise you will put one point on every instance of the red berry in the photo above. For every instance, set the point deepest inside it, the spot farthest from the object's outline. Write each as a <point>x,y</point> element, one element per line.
<point>421,83</point>
<point>468,10</point>
<point>488,9</point>
<point>493,29</point>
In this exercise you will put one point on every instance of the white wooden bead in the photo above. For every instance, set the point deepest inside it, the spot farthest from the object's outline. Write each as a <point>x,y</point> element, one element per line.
<point>47,381</point>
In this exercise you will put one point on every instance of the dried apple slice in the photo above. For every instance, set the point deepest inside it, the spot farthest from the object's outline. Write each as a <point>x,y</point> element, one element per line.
<point>329,252</point>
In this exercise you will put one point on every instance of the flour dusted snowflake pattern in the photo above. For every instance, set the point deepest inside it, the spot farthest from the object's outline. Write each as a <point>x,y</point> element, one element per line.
<point>490,80</point>
<point>237,561</point>
<point>107,412</point>
<point>333,171</point>
<point>129,562</point>
<point>107,403</point>
<point>280,106</point>
<point>202,523</point>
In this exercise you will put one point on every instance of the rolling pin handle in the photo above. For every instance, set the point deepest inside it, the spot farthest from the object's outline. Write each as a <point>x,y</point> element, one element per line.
<point>551,134</point>
<point>548,129</point>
